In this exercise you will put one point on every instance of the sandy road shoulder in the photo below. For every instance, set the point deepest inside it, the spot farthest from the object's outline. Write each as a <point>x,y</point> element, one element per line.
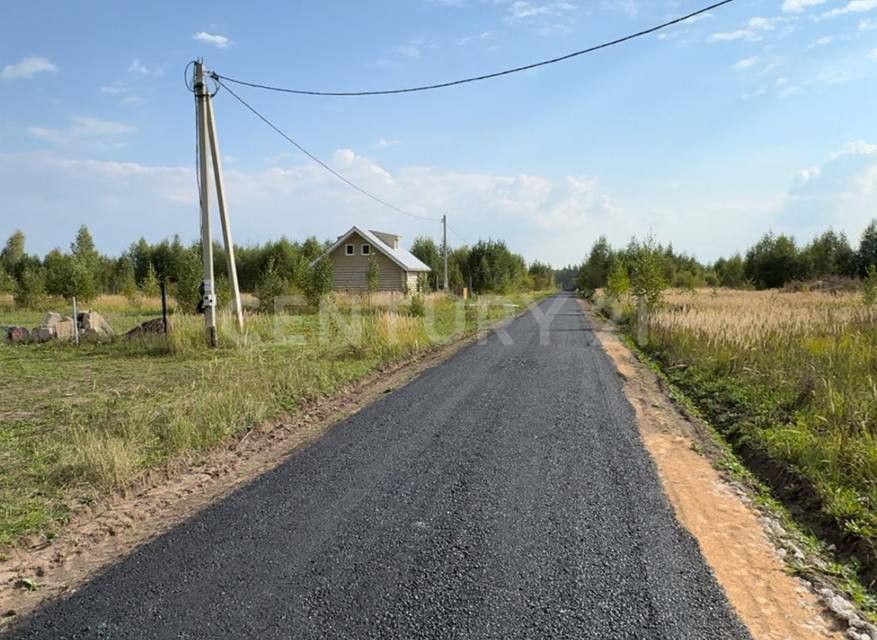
<point>773,604</point>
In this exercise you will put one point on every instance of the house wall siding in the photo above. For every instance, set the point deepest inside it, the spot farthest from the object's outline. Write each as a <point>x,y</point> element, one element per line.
<point>351,272</point>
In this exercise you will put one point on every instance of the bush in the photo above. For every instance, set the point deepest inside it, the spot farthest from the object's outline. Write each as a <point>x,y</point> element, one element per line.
<point>618,282</point>
<point>150,286</point>
<point>417,307</point>
<point>30,290</point>
<point>271,286</point>
<point>7,282</point>
<point>319,281</point>
<point>373,274</point>
<point>647,280</point>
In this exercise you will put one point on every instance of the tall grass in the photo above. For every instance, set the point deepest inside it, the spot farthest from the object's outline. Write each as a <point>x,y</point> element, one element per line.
<point>79,422</point>
<point>790,373</point>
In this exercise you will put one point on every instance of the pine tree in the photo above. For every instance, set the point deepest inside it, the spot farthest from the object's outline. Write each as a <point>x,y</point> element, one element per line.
<point>150,286</point>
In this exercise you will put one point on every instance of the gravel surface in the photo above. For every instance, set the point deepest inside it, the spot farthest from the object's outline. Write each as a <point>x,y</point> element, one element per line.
<point>502,494</point>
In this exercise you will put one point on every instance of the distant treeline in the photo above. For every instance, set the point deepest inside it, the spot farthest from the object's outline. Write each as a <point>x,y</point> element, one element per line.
<point>84,272</point>
<point>268,270</point>
<point>774,261</point>
<point>486,267</point>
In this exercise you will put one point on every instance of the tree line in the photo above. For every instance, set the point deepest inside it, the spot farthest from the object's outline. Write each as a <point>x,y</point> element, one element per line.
<point>774,261</point>
<point>268,270</point>
<point>271,269</point>
<point>488,266</point>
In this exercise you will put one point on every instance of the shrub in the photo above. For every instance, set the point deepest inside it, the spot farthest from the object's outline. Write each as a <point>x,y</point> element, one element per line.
<point>271,286</point>
<point>30,290</point>
<point>319,281</point>
<point>417,307</point>
<point>647,281</point>
<point>618,282</point>
<point>373,275</point>
<point>150,286</point>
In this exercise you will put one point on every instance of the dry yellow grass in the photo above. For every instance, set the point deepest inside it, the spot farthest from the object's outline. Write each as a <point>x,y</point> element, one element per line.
<point>747,319</point>
<point>791,373</point>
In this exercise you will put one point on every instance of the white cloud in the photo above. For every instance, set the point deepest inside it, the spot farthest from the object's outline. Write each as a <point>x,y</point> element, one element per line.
<point>699,17</point>
<point>218,41</point>
<point>27,68</point>
<point>115,88</point>
<point>745,63</point>
<point>867,24</point>
<point>383,143</point>
<point>546,18</point>
<point>629,7</point>
<point>524,9</point>
<point>821,42</point>
<point>410,49</point>
<point>841,192</point>
<point>541,217</point>
<point>855,6</point>
<point>125,93</point>
<point>753,30</point>
<point>91,131</point>
<point>138,68</point>
<point>798,6</point>
<point>484,36</point>
<point>855,148</point>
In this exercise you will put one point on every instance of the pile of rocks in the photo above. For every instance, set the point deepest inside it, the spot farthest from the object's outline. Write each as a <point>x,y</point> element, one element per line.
<point>155,326</point>
<point>91,325</point>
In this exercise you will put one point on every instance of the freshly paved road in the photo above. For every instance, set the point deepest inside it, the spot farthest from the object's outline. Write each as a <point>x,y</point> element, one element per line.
<point>502,494</point>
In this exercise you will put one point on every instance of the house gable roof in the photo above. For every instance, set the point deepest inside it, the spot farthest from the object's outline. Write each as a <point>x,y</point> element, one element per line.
<point>405,259</point>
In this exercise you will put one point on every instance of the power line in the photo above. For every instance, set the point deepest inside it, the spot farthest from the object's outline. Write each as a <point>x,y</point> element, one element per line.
<point>320,162</point>
<point>488,76</point>
<point>452,230</point>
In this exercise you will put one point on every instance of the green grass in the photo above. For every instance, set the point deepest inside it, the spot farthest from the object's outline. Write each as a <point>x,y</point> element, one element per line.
<point>80,422</point>
<point>842,575</point>
<point>791,375</point>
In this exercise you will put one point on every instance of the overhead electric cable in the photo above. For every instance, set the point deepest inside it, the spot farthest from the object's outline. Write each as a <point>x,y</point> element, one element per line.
<point>310,155</point>
<point>454,231</point>
<point>488,76</point>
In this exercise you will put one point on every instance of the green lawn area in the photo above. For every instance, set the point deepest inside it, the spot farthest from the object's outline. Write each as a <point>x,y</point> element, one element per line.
<point>77,423</point>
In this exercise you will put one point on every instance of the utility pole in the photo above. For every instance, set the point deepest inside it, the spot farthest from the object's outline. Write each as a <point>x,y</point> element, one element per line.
<point>208,142</point>
<point>223,215</point>
<point>208,297</point>
<point>445,244</point>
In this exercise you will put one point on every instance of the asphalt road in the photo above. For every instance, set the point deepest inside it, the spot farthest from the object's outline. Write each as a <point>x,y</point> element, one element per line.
<point>502,494</point>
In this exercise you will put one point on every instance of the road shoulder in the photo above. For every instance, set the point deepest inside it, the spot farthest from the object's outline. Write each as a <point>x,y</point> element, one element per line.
<point>773,604</point>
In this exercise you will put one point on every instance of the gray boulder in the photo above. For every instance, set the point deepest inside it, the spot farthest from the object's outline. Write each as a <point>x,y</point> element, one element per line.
<point>65,329</point>
<point>51,319</point>
<point>94,328</point>
<point>42,334</point>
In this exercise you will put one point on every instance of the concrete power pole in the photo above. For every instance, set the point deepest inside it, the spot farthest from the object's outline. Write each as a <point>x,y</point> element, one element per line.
<point>223,216</point>
<point>445,244</point>
<point>208,296</point>
<point>207,136</point>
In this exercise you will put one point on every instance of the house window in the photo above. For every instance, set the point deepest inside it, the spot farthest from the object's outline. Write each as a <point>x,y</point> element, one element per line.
<point>350,250</point>
<point>366,249</point>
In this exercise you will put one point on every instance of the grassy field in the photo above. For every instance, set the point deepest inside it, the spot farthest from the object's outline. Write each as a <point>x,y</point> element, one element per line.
<point>77,423</point>
<point>793,375</point>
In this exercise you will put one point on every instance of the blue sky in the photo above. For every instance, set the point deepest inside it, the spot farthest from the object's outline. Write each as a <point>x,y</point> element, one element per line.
<point>758,116</point>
